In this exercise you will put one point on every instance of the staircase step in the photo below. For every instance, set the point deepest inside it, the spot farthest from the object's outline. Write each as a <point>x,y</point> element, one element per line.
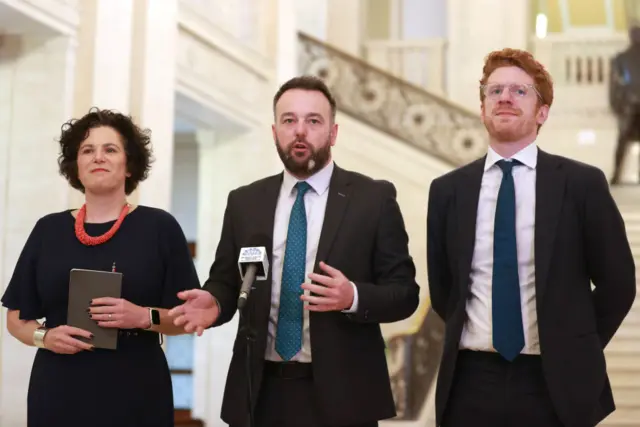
<point>633,317</point>
<point>624,344</point>
<point>623,378</point>
<point>627,195</point>
<point>631,218</point>
<point>623,353</point>
<point>627,332</point>
<point>622,417</point>
<point>621,362</point>
<point>627,396</point>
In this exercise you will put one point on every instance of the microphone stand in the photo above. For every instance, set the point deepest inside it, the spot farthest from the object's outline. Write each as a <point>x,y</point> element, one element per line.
<point>250,337</point>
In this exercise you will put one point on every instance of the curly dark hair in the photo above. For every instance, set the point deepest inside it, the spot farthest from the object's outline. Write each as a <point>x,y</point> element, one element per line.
<point>136,142</point>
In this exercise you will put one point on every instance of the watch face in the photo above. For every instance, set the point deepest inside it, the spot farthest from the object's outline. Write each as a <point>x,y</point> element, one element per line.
<point>155,317</point>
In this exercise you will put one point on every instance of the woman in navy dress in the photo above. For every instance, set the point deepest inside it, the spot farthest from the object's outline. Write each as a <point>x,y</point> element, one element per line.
<point>105,155</point>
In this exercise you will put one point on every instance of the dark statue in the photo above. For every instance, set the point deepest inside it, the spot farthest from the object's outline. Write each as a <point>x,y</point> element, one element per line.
<point>624,98</point>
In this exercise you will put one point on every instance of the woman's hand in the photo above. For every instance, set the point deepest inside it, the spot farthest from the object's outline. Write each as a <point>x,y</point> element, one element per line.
<point>61,340</point>
<point>118,313</point>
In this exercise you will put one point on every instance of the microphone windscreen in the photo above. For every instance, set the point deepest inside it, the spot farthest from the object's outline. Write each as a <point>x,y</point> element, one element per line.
<point>256,253</point>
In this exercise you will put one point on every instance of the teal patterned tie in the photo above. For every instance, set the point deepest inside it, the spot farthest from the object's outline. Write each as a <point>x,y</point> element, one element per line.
<point>289,333</point>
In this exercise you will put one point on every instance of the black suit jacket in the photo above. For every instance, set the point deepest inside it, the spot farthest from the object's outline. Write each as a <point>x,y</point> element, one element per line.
<point>364,237</point>
<point>579,238</point>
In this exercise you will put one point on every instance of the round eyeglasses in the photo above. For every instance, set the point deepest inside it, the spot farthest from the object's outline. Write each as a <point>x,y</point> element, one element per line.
<point>517,90</point>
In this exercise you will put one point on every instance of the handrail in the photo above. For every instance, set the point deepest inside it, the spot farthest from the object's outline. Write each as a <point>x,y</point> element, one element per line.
<point>395,79</point>
<point>428,122</point>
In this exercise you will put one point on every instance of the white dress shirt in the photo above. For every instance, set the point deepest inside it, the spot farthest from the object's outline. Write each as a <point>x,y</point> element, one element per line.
<point>315,201</point>
<point>477,331</point>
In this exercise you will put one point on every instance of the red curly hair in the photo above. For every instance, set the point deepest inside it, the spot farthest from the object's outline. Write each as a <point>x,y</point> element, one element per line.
<point>524,60</point>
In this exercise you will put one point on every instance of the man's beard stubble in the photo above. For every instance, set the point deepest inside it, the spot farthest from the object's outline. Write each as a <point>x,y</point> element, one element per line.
<point>510,134</point>
<point>316,161</point>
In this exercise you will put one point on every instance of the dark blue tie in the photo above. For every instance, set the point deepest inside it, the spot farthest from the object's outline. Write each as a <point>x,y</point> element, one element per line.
<point>289,330</point>
<point>508,333</point>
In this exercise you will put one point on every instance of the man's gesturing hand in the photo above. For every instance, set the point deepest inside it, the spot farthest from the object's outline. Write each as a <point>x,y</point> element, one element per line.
<point>333,293</point>
<point>199,311</point>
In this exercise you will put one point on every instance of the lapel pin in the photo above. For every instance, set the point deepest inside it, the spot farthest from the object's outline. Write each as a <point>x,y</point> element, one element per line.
<point>340,194</point>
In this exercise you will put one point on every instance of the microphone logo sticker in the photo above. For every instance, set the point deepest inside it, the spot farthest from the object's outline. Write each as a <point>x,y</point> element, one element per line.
<point>254,255</point>
<point>250,252</point>
<point>251,255</point>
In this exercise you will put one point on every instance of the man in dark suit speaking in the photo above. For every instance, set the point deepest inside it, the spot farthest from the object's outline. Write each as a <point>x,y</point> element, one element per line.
<point>515,241</point>
<point>340,266</point>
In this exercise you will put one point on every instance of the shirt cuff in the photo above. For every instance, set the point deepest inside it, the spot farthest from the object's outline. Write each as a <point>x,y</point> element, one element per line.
<point>354,306</point>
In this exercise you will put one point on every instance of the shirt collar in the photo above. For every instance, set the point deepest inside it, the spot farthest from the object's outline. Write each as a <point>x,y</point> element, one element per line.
<point>528,156</point>
<point>318,181</point>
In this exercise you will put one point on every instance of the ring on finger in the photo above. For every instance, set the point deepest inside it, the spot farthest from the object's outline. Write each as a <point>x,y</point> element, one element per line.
<point>110,316</point>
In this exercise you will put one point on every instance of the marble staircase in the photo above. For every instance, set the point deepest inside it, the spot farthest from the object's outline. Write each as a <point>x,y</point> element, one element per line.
<point>623,353</point>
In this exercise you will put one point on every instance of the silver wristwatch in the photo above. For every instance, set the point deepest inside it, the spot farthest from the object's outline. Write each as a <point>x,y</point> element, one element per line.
<point>38,336</point>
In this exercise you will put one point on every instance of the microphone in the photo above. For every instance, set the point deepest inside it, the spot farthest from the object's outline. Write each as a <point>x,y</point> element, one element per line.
<point>253,264</point>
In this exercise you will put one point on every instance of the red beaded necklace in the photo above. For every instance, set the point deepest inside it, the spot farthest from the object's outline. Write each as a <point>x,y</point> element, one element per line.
<point>85,239</point>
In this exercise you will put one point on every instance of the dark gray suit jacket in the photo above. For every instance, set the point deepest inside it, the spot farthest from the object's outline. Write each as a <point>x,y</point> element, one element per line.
<point>579,238</point>
<point>364,237</point>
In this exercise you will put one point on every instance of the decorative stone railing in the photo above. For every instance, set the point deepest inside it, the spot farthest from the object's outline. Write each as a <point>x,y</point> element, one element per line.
<point>420,62</point>
<point>580,67</point>
<point>389,103</point>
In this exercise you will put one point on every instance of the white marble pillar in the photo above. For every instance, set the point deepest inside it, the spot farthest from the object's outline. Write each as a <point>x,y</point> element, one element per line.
<point>184,193</point>
<point>345,25</point>
<point>155,31</point>
<point>311,18</point>
<point>104,55</point>
<point>9,52</point>
<point>423,19</point>
<point>39,73</point>
<point>248,22</point>
<point>475,28</point>
<point>103,66</point>
<point>286,49</point>
<point>220,171</point>
<point>208,370</point>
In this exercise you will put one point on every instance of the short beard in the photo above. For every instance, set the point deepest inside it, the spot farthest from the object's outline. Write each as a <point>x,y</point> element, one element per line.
<point>511,134</point>
<point>318,158</point>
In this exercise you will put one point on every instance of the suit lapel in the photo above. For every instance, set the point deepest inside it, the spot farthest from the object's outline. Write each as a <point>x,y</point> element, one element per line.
<point>467,195</point>
<point>266,200</point>
<point>550,187</point>
<point>337,201</point>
